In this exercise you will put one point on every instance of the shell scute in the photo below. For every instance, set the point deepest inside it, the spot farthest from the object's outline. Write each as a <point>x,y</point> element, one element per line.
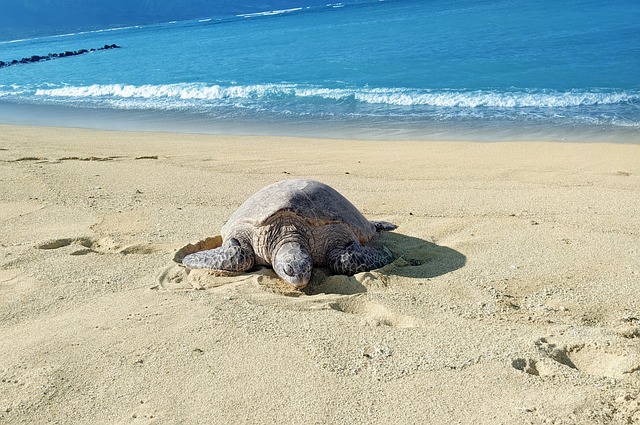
<point>314,202</point>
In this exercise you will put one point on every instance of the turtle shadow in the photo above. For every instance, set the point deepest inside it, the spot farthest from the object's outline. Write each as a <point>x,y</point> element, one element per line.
<point>424,260</point>
<point>414,258</point>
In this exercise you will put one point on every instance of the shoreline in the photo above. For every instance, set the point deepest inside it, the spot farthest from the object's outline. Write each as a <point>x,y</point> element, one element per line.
<point>363,128</point>
<point>512,299</point>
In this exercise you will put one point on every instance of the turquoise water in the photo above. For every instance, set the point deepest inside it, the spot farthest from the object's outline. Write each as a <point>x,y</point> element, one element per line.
<point>384,69</point>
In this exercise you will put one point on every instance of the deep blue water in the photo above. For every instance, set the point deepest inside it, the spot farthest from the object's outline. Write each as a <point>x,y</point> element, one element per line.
<point>475,69</point>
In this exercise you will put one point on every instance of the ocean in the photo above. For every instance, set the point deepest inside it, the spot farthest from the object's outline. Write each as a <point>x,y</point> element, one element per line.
<point>393,69</point>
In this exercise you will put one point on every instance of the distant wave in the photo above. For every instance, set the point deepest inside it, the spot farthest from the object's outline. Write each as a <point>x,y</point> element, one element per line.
<point>376,96</point>
<point>71,34</point>
<point>269,13</point>
<point>202,20</point>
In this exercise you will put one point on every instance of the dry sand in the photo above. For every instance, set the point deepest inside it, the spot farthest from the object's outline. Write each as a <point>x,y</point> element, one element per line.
<point>515,297</point>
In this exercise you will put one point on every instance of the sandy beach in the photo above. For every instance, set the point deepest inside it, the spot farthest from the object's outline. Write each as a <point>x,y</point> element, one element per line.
<point>514,298</point>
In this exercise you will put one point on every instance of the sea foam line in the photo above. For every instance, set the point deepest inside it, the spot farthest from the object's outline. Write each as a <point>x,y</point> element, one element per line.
<point>382,96</point>
<point>177,91</point>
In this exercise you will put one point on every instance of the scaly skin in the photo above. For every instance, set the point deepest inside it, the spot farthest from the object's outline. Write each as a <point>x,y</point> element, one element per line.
<point>290,255</point>
<point>231,256</point>
<point>293,264</point>
<point>293,225</point>
<point>355,258</point>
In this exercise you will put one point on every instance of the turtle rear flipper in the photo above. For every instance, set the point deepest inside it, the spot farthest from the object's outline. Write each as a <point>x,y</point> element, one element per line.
<point>383,226</point>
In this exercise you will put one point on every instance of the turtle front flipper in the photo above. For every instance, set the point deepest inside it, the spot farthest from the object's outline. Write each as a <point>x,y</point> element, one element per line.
<point>355,258</point>
<point>231,256</point>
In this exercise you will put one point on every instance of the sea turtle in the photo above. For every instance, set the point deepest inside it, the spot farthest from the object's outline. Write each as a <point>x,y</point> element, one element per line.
<point>293,225</point>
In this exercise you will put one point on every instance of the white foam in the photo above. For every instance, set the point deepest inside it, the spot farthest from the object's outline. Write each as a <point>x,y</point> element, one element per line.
<point>269,13</point>
<point>492,99</point>
<point>382,96</point>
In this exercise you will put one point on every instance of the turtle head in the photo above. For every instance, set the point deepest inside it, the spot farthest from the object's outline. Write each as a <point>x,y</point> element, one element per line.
<point>293,264</point>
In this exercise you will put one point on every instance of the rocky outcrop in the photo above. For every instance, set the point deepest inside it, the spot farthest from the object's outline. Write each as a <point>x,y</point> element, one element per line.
<point>37,58</point>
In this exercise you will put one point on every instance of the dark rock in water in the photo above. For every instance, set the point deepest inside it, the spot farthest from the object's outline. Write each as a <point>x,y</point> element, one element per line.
<point>37,58</point>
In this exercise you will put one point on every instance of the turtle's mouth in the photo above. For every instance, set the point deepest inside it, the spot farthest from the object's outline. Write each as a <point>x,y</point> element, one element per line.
<point>297,280</point>
<point>300,285</point>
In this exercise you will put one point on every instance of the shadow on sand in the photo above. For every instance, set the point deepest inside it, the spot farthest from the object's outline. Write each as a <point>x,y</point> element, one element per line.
<point>425,259</point>
<point>415,258</point>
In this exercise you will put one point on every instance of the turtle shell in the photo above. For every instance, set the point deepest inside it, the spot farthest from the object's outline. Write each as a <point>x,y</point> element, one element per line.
<point>314,202</point>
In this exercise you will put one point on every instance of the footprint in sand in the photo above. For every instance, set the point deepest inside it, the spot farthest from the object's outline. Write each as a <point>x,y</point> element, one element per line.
<point>374,314</point>
<point>590,359</point>
<point>55,243</point>
<point>106,245</point>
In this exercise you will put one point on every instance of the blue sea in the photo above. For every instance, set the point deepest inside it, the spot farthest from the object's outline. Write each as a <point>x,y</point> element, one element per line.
<point>432,69</point>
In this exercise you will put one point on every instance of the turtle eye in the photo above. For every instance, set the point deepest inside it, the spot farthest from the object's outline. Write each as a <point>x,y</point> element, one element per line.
<point>289,270</point>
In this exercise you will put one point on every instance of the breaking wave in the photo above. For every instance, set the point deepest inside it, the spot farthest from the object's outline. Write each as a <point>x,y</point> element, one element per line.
<point>598,108</point>
<point>376,96</point>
